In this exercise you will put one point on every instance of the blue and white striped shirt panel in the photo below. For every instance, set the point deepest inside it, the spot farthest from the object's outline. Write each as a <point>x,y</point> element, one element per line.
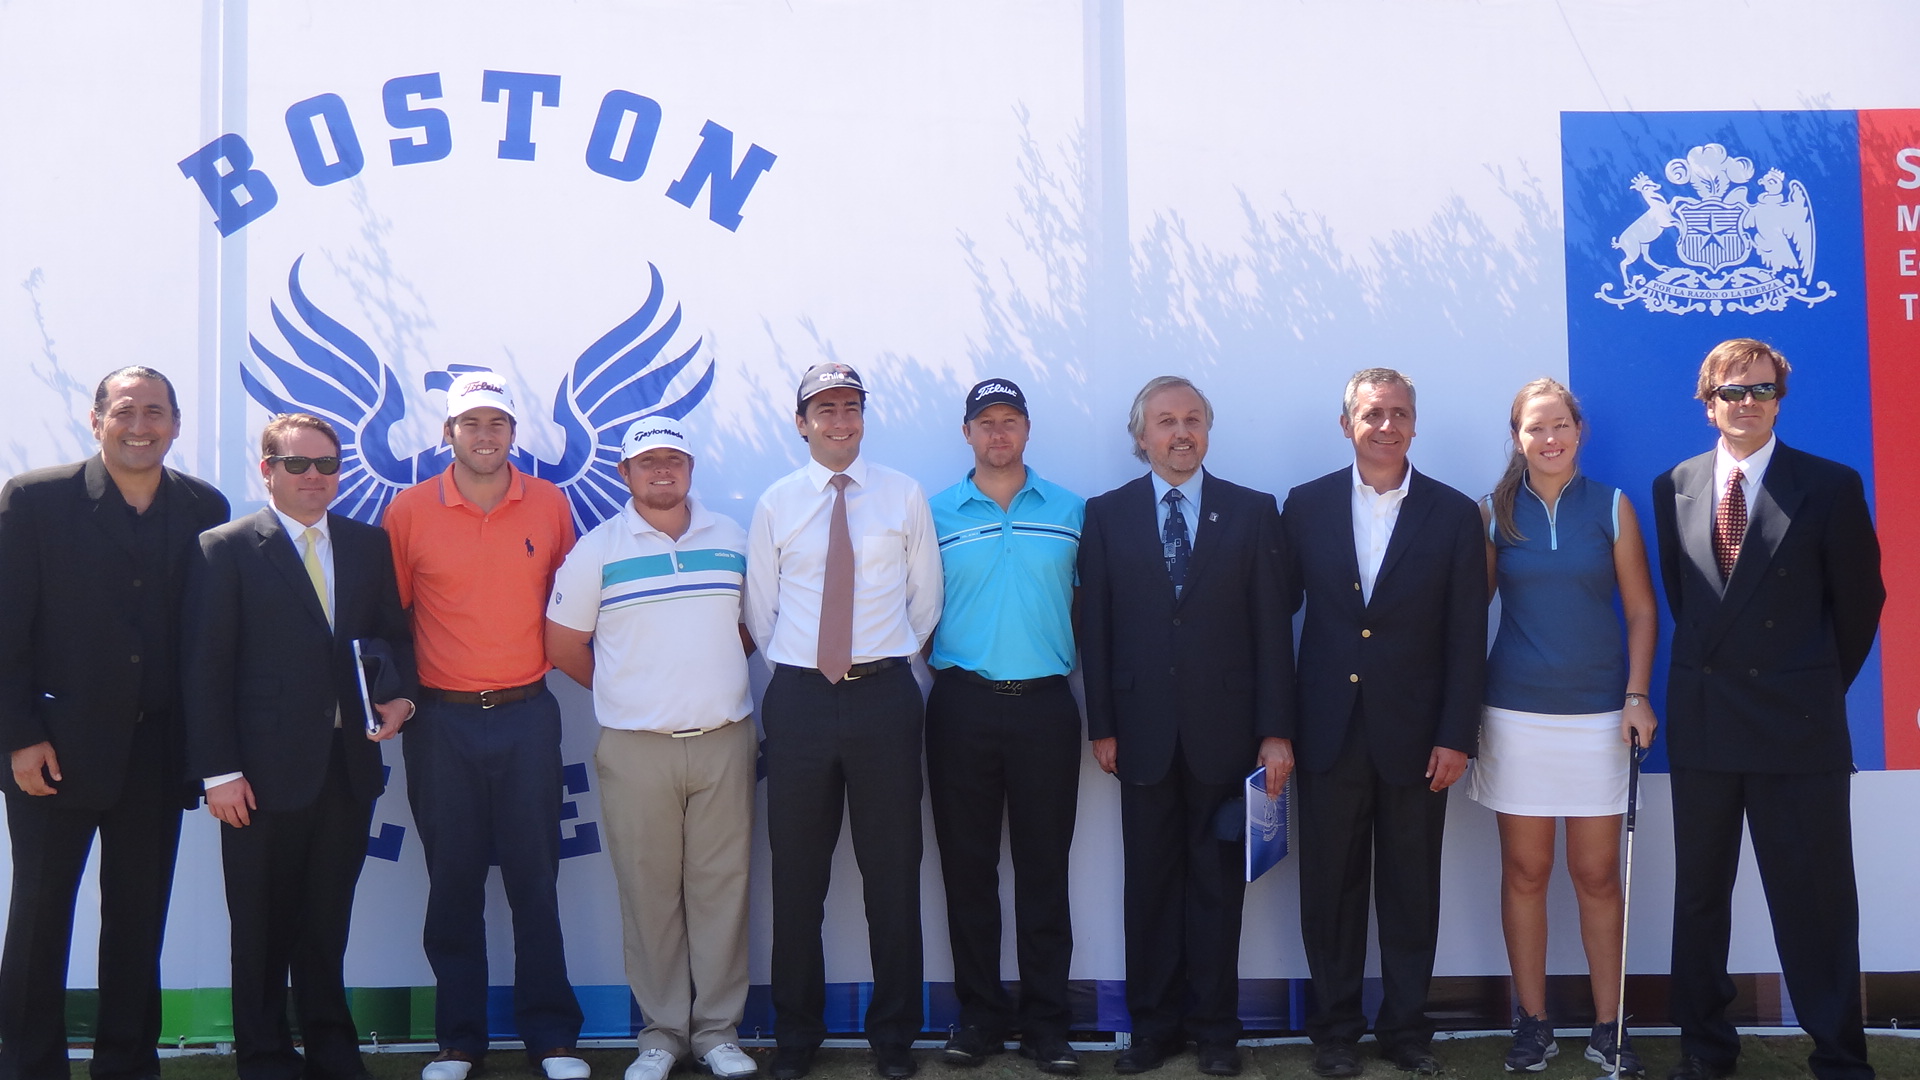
<point>1009,579</point>
<point>665,620</point>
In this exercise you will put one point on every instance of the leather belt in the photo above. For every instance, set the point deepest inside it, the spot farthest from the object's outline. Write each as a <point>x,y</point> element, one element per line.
<point>1007,687</point>
<point>486,699</point>
<point>859,671</point>
<point>688,733</point>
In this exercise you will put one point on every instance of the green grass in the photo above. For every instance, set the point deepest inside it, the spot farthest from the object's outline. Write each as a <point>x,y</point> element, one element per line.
<point>1761,1059</point>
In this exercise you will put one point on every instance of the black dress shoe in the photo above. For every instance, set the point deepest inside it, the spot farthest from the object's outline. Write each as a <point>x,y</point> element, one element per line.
<point>1693,1068</point>
<point>1410,1056</point>
<point>894,1062</point>
<point>1335,1057</point>
<point>1218,1059</point>
<point>792,1062</point>
<point>1051,1053</point>
<point>1145,1055</point>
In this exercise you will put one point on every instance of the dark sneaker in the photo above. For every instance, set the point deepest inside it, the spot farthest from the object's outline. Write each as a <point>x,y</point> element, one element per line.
<point>969,1047</point>
<point>1601,1049</point>
<point>1533,1043</point>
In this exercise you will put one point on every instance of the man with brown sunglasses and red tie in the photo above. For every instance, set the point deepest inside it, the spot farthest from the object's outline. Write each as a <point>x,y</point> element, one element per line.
<point>1772,573</point>
<point>844,585</point>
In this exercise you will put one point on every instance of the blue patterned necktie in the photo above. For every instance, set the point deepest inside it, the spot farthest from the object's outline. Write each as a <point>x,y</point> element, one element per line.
<point>1173,540</point>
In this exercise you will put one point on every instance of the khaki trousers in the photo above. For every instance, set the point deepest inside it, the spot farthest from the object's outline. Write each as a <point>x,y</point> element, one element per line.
<point>679,820</point>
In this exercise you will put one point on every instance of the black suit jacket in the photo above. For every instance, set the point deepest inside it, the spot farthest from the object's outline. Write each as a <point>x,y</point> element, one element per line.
<point>263,671</point>
<point>69,636</point>
<point>1761,663</point>
<point>1419,647</point>
<point>1212,669</point>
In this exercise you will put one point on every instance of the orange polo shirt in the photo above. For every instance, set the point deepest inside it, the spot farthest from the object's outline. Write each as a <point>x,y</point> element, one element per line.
<point>477,584</point>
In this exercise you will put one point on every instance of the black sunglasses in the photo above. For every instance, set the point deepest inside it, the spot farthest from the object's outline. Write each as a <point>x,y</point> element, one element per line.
<point>1763,391</point>
<point>297,464</point>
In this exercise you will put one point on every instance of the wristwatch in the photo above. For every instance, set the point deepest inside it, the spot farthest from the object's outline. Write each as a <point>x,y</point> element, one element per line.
<point>1635,699</point>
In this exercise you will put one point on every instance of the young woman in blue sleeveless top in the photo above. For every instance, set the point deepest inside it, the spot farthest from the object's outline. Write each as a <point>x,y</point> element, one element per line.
<point>1563,697</point>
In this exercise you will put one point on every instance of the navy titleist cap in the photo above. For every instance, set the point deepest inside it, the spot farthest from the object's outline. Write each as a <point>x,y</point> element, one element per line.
<point>994,392</point>
<point>826,376</point>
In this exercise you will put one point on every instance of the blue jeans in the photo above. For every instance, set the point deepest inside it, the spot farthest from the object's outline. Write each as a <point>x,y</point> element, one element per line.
<point>485,784</point>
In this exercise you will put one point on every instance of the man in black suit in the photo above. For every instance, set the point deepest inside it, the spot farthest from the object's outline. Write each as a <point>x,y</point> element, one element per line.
<point>277,730</point>
<point>1772,574</point>
<point>1391,566</point>
<point>1187,649</point>
<point>92,560</point>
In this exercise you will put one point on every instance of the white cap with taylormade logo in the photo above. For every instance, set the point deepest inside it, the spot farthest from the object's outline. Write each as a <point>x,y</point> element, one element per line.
<point>479,390</point>
<point>653,433</point>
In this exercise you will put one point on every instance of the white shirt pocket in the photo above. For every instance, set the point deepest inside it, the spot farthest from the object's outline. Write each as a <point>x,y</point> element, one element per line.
<point>883,559</point>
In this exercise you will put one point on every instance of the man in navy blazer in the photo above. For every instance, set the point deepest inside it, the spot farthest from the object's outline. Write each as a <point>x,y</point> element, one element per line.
<point>1391,566</point>
<point>277,731</point>
<point>1187,649</point>
<point>92,562</point>
<point>1772,574</point>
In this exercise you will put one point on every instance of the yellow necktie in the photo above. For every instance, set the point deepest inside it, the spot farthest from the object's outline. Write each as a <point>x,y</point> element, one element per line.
<point>310,557</point>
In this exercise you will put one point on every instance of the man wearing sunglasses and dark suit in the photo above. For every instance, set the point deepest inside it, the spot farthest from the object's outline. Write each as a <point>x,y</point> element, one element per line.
<point>1772,574</point>
<point>278,733</point>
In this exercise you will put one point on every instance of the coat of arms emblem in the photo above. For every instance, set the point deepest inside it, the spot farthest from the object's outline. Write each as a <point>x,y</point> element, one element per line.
<point>1735,254</point>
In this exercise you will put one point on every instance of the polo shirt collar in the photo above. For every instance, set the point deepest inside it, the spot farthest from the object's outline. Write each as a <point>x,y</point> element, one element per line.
<point>819,475</point>
<point>450,491</point>
<point>1027,486</point>
<point>698,517</point>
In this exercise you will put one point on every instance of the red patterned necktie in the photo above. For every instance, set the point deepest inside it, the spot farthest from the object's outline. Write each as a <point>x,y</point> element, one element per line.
<point>835,642</point>
<point>1730,524</point>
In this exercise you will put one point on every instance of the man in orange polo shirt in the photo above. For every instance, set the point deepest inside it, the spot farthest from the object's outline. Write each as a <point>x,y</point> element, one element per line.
<point>475,550</point>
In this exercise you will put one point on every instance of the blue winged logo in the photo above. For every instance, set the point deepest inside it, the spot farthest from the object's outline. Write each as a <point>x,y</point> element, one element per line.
<point>632,371</point>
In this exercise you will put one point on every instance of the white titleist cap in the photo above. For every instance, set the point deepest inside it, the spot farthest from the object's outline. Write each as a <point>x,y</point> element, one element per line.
<point>479,390</point>
<point>653,433</point>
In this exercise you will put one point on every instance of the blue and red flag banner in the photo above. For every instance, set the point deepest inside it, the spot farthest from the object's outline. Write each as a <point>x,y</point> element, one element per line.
<point>1684,229</point>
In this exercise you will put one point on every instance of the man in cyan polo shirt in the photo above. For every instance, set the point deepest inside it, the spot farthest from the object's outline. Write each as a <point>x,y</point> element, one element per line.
<point>843,587</point>
<point>475,550</point>
<point>1003,731</point>
<point>646,612</point>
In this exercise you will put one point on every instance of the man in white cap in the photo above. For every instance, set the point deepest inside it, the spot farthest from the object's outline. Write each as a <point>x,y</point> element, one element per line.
<point>475,549</point>
<point>844,586</point>
<point>646,613</point>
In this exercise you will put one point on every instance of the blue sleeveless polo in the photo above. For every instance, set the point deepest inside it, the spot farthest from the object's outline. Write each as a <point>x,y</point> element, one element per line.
<point>1561,647</point>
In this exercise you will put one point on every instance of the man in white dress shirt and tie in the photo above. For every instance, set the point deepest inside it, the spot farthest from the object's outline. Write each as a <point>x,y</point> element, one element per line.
<point>844,585</point>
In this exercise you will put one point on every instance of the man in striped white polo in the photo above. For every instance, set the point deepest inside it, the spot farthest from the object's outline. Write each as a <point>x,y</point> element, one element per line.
<point>646,613</point>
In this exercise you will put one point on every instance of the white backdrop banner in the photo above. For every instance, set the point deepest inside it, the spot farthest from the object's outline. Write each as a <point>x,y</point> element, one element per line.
<point>674,207</point>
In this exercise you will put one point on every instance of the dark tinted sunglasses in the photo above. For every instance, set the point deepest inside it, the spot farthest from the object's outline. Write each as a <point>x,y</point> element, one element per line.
<point>296,464</point>
<point>1764,391</point>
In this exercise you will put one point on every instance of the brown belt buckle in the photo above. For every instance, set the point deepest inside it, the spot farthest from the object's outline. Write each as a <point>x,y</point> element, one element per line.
<point>486,699</point>
<point>1010,687</point>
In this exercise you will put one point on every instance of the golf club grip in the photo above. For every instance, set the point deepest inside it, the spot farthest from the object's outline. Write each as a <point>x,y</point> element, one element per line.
<point>1633,782</point>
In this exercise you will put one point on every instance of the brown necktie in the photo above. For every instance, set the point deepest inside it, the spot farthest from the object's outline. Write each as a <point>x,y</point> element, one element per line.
<point>1730,524</point>
<point>835,653</point>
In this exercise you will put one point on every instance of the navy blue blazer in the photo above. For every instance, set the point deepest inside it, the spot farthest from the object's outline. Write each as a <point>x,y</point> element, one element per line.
<point>1416,653</point>
<point>1211,671</point>
<point>1762,662</point>
<point>263,672</point>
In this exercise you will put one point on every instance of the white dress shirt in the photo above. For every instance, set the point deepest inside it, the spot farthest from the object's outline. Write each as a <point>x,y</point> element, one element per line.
<point>323,547</point>
<point>1752,471</point>
<point>898,583</point>
<point>1374,516</point>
